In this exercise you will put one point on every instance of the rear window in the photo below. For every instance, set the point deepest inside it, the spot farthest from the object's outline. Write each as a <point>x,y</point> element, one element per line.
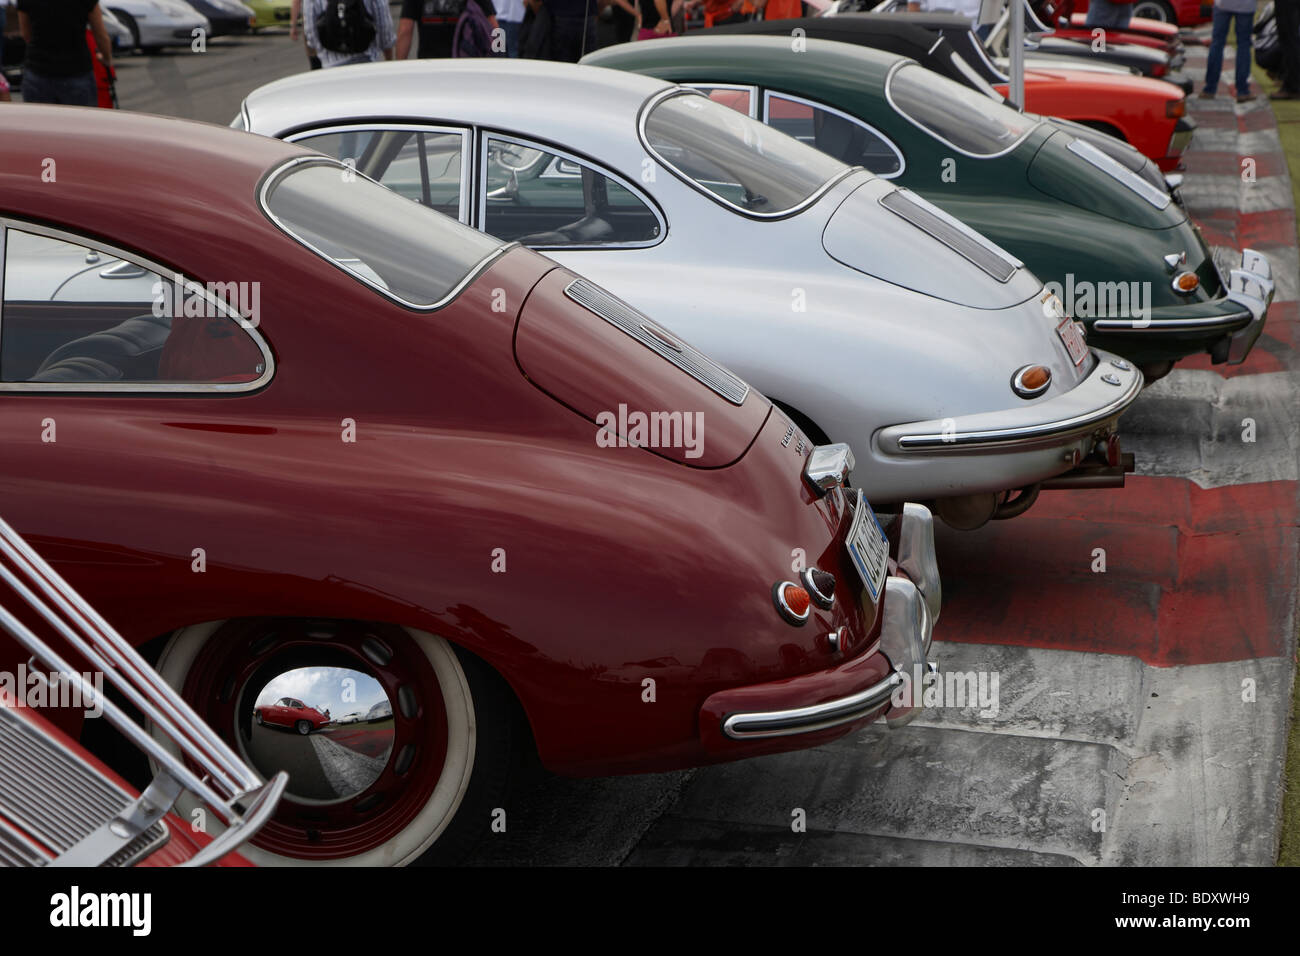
<point>409,252</point>
<point>738,160</point>
<point>965,119</point>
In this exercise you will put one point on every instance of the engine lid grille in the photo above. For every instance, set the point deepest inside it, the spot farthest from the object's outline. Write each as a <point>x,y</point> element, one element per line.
<point>658,339</point>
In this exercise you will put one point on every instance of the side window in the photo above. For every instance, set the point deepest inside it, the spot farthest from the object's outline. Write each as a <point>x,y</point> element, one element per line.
<point>423,165</point>
<point>741,99</point>
<point>848,140</point>
<point>76,315</point>
<point>541,198</point>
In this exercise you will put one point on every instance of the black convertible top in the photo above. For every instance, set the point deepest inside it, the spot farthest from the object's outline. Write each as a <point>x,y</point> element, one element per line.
<point>932,39</point>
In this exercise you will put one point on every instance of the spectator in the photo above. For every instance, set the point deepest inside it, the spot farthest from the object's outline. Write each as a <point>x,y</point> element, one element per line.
<point>59,68</point>
<point>573,29</point>
<point>1242,14</point>
<point>1103,13</point>
<point>295,23</point>
<point>376,11</point>
<point>655,19</point>
<point>1288,40</point>
<point>622,16</point>
<point>437,25</point>
<point>511,19</point>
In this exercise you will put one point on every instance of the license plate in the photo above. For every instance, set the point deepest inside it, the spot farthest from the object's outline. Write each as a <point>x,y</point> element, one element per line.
<point>1073,339</point>
<point>869,548</point>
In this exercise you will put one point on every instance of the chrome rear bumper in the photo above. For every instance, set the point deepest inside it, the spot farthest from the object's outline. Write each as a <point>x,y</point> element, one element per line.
<point>905,636</point>
<point>1107,391</point>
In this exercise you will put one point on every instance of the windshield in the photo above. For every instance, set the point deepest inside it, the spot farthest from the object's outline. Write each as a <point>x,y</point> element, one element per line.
<point>958,116</point>
<point>407,251</point>
<point>746,165</point>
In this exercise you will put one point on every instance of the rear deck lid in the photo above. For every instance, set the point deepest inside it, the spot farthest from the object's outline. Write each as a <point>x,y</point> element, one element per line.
<point>637,382</point>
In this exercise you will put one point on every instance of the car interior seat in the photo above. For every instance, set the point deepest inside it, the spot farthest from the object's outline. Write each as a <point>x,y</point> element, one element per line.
<point>128,352</point>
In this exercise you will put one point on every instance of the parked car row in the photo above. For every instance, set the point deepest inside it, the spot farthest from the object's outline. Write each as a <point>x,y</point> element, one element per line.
<point>599,410</point>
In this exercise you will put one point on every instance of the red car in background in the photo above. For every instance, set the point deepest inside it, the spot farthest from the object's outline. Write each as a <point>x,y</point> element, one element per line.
<point>291,712</point>
<point>1148,114</point>
<point>1159,18</point>
<point>291,408</point>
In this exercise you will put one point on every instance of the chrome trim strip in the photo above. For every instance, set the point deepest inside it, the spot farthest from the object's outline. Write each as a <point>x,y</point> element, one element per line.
<point>481,197</point>
<point>648,106</point>
<point>889,98</point>
<point>363,126</point>
<point>139,388</point>
<point>1001,438</point>
<point>1119,172</point>
<point>915,209</point>
<point>1208,323</point>
<point>282,170</point>
<point>767,121</point>
<point>802,720</point>
<point>659,340</point>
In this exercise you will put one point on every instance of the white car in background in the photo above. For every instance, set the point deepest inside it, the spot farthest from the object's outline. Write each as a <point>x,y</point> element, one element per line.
<point>153,24</point>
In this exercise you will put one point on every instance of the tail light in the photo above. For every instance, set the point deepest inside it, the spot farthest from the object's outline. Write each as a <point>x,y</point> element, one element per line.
<point>1158,70</point>
<point>1186,282</point>
<point>820,586</point>
<point>792,602</point>
<point>1175,109</point>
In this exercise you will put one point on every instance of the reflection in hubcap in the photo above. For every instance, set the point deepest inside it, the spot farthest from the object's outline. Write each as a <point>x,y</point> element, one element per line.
<point>330,727</point>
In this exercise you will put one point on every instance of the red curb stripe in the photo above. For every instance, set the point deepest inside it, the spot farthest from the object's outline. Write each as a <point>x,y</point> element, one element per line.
<point>1193,576</point>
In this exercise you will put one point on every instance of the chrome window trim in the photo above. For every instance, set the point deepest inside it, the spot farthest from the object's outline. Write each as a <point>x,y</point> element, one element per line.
<point>279,172</point>
<point>739,87</point>
<point>134,388</point>
<point>1119,172</point>
<point>889,97</point>
<point>648,106</point>
<point>902,161</point>
<point>480,193</point>
<point>361,126</point>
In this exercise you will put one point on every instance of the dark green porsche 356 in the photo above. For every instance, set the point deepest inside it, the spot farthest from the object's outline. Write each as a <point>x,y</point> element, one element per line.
<point>1123,257</point>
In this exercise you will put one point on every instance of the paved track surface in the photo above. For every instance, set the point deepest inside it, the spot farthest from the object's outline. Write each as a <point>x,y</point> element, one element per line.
<point>1142,711</point>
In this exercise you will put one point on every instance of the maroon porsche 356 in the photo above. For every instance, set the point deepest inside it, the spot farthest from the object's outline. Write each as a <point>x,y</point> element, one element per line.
<point>302,438</point>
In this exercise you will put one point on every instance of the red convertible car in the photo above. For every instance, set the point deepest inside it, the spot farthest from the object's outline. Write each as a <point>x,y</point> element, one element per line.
<point>1159,18</point>
<point>288,712</point>
<point>342,442</point>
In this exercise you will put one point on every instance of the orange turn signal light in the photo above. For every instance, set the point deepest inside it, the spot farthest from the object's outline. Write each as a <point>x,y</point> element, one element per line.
<point>1175,109</point>
<point>1031,381</point>
<point>792,602</point>
<point>1186,282</point>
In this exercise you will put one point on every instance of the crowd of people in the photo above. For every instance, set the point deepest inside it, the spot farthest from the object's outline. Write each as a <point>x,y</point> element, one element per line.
<point>60,65</point>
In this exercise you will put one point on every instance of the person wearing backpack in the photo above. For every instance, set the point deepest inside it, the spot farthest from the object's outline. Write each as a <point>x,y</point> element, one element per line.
<point>437,21</point>
<point>348,31</point>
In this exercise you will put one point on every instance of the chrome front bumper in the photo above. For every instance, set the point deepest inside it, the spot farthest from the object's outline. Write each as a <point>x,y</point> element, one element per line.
<point>1107,391</point>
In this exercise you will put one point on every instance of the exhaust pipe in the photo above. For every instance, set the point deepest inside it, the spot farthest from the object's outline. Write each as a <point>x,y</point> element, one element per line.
<point>1093,475</point>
